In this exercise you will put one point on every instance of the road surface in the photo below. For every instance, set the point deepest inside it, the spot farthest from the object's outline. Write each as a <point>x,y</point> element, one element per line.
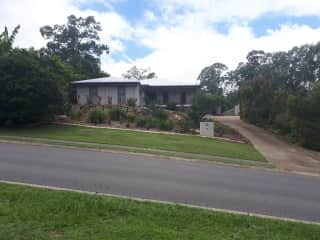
<point>281,154</point>
<point>198,183</point>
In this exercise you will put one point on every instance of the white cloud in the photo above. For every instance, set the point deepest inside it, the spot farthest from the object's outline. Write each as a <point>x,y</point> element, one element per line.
<point>180,53</point>
<point>217,10</point>
<point>187,40</point>
<point>150,16</point>
<point>33,14</point>
<point>182,37</point>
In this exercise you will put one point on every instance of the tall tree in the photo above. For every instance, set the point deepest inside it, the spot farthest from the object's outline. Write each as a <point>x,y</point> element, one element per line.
<point>139,73</point>
<point>77,43</point>
<point>212,77</point>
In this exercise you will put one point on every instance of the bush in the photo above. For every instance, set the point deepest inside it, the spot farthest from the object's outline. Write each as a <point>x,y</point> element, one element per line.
<point>206,103</point>
<point>141,122</point>
<point>172,106</point>
<point>221,130</point>
<point>151,122</point>
<point>146,122</point>
<point>131,117</point>
<point>183,126</point>
<point>75,112</point>
<point>195,116</point>
<point>30,87</point>
<point>159,113</point>
<point>305,111</point>
<point>165,125</point>
<point>132,102</point>
<point>97,116</point>
<point>117,114</point>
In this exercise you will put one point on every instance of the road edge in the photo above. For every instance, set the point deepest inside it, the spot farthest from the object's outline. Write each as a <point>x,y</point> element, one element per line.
<point>144,200</point>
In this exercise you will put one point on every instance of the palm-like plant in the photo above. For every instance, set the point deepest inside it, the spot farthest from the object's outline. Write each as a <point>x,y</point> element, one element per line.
<point>6,40</point>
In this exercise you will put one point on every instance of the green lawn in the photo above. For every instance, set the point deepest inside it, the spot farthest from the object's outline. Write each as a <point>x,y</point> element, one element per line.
<point>32,213</point>
<point>178,143</point>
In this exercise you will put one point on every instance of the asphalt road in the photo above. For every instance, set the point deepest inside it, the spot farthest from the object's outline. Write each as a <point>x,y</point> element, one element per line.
<point>198,183</point>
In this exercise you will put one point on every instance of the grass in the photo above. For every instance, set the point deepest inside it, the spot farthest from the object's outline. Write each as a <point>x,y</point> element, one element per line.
<point>177,143</point>
<point>148,151</point>
<point>32,213</point>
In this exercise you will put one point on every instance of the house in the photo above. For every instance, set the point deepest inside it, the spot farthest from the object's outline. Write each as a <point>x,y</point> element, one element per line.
<point>117,91</point>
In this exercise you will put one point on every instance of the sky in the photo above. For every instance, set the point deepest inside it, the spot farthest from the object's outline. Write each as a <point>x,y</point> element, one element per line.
<point>175,38</point>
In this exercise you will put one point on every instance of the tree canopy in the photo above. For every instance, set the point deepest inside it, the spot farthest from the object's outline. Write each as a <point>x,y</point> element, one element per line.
<point>281,91</point>
<point>78,44</point>
<point>212,77</point>
<point>139,73</point>
<point>34,85</point>
<point>278,90</point>
<point>30,87</point>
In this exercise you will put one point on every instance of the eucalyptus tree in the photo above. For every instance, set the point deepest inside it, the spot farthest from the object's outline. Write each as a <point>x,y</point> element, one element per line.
<point>213,77</point>
<point>139,73</point>
<point>77,43</point>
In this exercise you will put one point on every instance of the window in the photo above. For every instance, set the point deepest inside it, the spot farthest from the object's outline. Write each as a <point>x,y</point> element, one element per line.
<point>122,95</point>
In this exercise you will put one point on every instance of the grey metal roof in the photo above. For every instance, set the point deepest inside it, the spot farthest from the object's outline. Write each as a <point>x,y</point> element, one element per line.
<point>149,82</point>
<point>165,83</point>
<point>107,80</point>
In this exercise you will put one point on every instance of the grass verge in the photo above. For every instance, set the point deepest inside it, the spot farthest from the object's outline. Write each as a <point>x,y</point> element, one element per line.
<point>32,213</point>
<point>157,141</point>
<point>136,150</point>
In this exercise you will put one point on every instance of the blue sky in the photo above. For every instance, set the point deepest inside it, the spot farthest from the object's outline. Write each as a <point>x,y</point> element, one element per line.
<point>134,12</point>
<point>175,38</point>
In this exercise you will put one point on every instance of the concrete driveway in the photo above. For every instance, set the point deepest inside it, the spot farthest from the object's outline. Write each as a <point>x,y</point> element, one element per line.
<point>280,153</point>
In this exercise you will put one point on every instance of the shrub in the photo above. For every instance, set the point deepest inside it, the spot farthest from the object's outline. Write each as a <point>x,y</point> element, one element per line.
<point>30,87</point>
<point>116,114</point>
<point>221,130</point>
<point>159,113</point>
<point>97,116</point>
<point>132,102</point>
<point>131,117</point>
<point>141,122</point>
<point>151,122</point>
<point>75,112</point>
<point>146,122</point>
<point>165,125</point>
<point>172,106</point>
<point>195,117</point>
<point>183,126</point>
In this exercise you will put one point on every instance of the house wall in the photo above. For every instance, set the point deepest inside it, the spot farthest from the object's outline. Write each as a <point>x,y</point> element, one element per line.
<point>190,97</point>
<point>82,95</point>
<point>108,91</point>
<point>105,91</point>
<point>136,91</point>
<point>174,94</point>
